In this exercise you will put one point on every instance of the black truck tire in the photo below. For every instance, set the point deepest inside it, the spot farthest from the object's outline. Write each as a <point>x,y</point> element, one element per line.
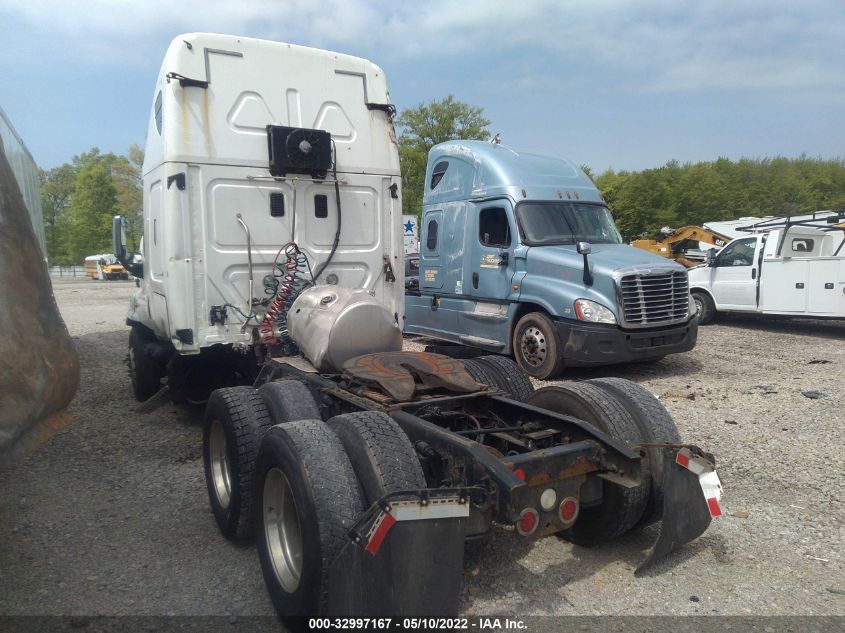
<point>235,421</point>
<point>145,372</point>
<point>325,501</point>
<point>620,508</point>
<point>288,401</point>
<point>482,373</point>
<point>705,306</point>
<point>382,456</point>
<point>656,425</point>
<point>511,377</point>
<point>536,346</point>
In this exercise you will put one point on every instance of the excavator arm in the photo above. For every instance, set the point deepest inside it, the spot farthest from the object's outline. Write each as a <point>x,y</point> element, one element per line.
<point>673,244</point>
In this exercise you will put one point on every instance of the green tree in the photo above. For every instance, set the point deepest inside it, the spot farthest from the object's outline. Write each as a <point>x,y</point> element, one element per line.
<point>423,127</point>
<point>675,195</point>
<point>57,187</point>
<point>126,174</point>
<point>91,210</point>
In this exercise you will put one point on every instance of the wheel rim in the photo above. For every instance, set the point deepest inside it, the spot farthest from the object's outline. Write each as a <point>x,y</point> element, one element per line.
<point>221,474</point>
<point>533,346</point>
<point>282,529</point>
<point>699,304</point>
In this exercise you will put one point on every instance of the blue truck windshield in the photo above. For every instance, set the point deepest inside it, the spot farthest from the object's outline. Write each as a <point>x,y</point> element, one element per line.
<point>546,223</point>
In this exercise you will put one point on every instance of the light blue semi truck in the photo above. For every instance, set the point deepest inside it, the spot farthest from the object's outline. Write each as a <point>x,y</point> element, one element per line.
<point>519,255</point>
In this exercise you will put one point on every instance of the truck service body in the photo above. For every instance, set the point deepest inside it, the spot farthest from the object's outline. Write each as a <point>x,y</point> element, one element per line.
<point>782,268</point>
<point>500,234</point>
<point>350,460</point>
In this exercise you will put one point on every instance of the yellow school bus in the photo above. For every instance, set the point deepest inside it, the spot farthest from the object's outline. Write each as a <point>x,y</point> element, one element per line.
<point>104,267</point>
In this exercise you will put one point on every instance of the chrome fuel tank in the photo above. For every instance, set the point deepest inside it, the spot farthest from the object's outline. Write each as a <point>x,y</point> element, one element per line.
<point>332,324</point>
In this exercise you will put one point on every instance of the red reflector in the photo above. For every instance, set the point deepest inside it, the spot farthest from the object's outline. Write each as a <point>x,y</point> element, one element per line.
<point>713,506</point>
<point>520,473</point>
<point>568,509</point>
<point>682,459</point>
<point>387,522</point>
<point>527,523</point>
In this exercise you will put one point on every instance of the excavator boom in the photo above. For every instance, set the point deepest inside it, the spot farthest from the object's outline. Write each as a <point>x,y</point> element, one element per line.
<point>675,241</point>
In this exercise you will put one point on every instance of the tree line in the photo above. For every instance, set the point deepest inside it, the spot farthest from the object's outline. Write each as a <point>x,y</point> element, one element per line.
<point>644,201</point>
<point>693,193</point>
<point>80,198</point>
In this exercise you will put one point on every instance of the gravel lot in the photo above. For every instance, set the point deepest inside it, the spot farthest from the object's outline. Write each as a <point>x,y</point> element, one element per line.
<point>111,517</point>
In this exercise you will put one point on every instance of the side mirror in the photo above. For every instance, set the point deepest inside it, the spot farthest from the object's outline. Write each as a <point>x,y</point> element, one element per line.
<point>585,248</point>
<point>118,238</point>
<point>128,260</point>
<point>711,256</point>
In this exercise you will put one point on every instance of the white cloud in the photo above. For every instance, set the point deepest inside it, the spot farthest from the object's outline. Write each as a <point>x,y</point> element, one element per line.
<point>649,45</point>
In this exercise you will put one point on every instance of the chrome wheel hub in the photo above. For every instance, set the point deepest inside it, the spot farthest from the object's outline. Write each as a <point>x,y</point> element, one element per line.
<point>533,345</point>
<point>220,470</point>
<point>282,529</point>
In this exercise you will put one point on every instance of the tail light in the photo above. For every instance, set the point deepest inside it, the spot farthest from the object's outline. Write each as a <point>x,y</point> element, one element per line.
<point>527,522</point>
<point>568,510</point>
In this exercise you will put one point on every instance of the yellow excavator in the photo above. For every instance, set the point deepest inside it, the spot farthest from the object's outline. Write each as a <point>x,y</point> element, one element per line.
<point>675,242</point>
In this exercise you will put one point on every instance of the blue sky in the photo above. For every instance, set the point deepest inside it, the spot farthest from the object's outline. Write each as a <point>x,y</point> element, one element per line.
<point>621,84</point>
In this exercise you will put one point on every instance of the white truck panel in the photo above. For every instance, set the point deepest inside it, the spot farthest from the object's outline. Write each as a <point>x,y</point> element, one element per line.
<point>826,286</point>
<point>783,286</point>
<point>215,134</point>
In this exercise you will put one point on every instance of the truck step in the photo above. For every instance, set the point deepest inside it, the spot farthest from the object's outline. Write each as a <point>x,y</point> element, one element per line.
<point>483,343</point>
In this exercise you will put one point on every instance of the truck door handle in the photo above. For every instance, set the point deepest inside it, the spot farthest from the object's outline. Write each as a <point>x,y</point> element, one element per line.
<point>504,259</point>
<point>475,280</point>
<point>754,273</point>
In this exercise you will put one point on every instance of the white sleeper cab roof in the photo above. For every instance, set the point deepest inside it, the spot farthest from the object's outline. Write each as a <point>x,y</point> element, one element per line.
<point>250,83</point>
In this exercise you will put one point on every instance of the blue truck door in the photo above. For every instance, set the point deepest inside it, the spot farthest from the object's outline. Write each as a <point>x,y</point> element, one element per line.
<point>492,264</point>
<point>431,269</point>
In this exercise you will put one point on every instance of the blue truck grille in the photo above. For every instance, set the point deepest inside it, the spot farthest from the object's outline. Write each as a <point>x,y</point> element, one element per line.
<point>655,298</point>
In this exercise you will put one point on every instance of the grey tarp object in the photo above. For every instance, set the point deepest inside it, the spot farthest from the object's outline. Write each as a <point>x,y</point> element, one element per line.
<point>39,366</point>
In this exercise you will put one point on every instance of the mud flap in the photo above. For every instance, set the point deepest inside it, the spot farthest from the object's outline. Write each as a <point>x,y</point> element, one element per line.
<point>404,557</point>
<point>691,492</point>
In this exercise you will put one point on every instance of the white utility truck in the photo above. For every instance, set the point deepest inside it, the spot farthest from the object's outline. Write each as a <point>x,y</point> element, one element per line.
<point>783,267</point>
<point>273,268</point>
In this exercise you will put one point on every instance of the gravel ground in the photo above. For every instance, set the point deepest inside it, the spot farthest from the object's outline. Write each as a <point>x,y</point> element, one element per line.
<point>110,516</point>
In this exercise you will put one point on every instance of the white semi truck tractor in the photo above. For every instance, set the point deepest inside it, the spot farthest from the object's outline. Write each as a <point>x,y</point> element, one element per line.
<point>272,279</point>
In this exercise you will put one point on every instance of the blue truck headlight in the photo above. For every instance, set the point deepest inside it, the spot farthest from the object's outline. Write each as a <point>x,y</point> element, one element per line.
<point>593,312</point>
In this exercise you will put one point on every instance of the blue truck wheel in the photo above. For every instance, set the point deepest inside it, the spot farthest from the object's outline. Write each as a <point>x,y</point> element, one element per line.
<point>536,346</point>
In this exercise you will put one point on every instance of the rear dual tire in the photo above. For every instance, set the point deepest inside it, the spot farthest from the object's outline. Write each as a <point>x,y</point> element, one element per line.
<point>626,411</point>
<point>313,481</point>
<point>500,372</point>
<point>308,498</point>
<point>235,421</point>
<point>621,508</point>
<point>656,427</point>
